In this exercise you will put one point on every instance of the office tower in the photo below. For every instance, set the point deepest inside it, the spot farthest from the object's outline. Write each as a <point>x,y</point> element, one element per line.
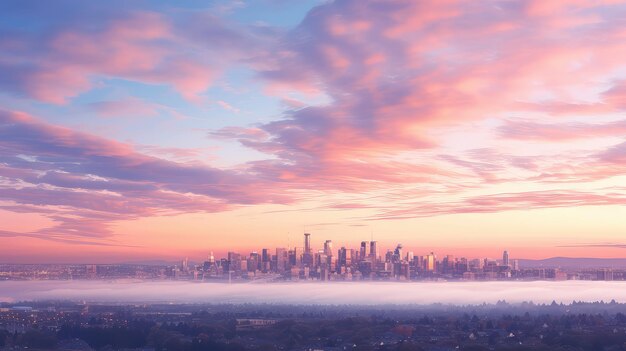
<point>266,259</point>
<point>605,274</point>
<point>328,252</point>
<point>185,265</point>
<point>409,256</point>
<point>225,265</point>
<point>294,258</point>
<point>307,243</point>
<point>389,256</point>
<point>253,262</point>
<point>234,261</point>
<point>328,247</point>
<point>461,265</point>
<point>365,267</point>
<point>209,263</point>
<point>344,257</point>
<point>404,271</point>
<point>265,255</point>
<point>476,264</point>
<point>307,256</point>
<point>418,263</point>
<point>363,251</point>
<point>448,264</point>
<point>281,260</point>
<point>430,262</point>
<point>397,254</point>
<point>341,254</point>
<point>505,258</point>
<point>320,258</point>
<point>373,251</point>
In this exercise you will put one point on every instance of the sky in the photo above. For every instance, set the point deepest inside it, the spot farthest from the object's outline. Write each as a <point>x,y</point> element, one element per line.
<point>158,130</point>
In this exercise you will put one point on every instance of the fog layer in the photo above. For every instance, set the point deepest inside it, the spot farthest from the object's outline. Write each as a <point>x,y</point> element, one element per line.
<point>314,293</point>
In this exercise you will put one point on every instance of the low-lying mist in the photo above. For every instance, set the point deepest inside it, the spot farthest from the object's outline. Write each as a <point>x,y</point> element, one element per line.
<point>312,293</point>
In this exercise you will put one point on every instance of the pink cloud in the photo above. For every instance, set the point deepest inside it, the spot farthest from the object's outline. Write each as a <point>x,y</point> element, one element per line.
<point>454,62</point>
<point>89,182</point>
<point>528,130</point>
<point>124,107</point>
<point>136,45</point>
<point>394,75</point>
<point>506,202</point>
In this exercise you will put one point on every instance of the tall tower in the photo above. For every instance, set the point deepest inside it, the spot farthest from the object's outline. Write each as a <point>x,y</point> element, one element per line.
<point>373,250</point>
<point>505,258</point>
<point>363,251</point>
<point>430,262</point>
<point>398,252</point>
<point>185,264</point>
<point>328,248</point>
<point>307,243</point>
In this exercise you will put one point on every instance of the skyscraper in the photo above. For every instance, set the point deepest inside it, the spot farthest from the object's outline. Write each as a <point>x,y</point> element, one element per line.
<point>265,255</point>
<point>307,243</point>
<point>185,265</point>
<point>328,247</point>
<point>505,258</point>
<point>266,259</point>
<point>373,250</point>
<point>397,254</point>
<point>344,257</point>
<point>363,251</point>
<point>430,262</point>
<point>234,262</point>
<point>281,259</point>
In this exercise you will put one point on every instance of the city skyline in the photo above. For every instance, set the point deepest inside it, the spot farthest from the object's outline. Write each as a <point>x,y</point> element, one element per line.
<point>362,262</point>
<point>158,130</point>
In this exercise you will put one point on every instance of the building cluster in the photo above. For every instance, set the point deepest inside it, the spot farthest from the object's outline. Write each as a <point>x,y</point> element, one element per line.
<point>365,263</point>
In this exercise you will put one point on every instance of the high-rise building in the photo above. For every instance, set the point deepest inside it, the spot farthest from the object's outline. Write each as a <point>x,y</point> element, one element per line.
<point>505,258</point>
<point>266,260</point>
<point>448,264</point>
<point>328,247</point>
<point>307,243</point>
<point>253,262</point>
<point>397,253</point>
<point>294,258</point>
<point>185,265</point>
<point>234,262</point>
<point>281,259</point>
<point>344,257</point>
<point>363,251</point>
<point>373,251</point>
<point>430,262</point>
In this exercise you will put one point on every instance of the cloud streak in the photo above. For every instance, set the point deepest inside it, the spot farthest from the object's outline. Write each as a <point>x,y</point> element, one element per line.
<point>398,108</point>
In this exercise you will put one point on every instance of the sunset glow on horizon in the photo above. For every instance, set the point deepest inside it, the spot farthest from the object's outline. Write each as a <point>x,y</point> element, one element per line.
<point>162,130</point>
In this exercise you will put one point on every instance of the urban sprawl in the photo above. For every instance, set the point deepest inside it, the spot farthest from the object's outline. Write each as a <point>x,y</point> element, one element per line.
<point>326,264</point>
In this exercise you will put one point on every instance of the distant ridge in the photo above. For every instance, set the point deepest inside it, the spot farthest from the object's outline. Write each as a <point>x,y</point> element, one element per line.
<point>574,262</point>
<point>150,263</point>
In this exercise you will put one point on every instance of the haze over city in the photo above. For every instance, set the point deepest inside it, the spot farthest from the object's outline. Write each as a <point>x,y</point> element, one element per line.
<point>162,130</point>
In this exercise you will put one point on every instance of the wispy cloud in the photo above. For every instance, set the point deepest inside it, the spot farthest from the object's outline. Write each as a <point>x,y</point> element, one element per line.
<point>373,90</point>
